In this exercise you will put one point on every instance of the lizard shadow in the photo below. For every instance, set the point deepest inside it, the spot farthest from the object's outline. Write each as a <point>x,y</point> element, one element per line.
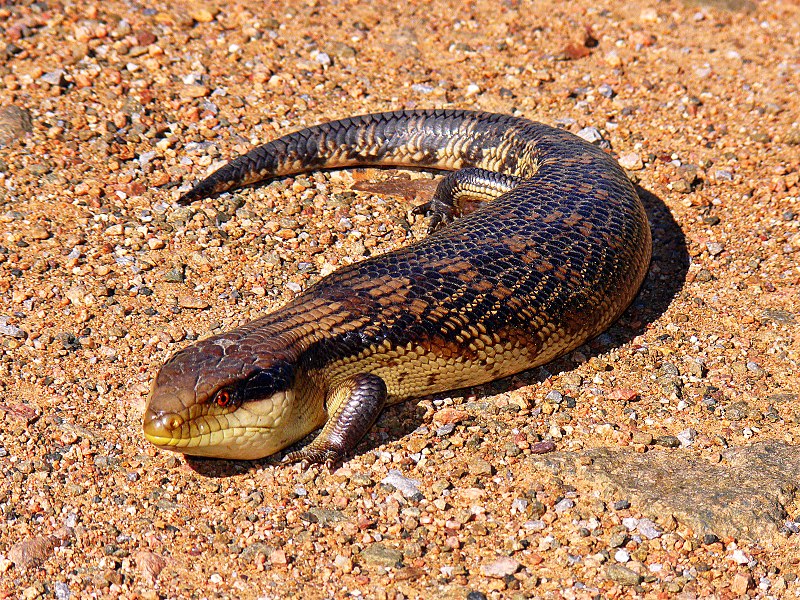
<point>665,279</point>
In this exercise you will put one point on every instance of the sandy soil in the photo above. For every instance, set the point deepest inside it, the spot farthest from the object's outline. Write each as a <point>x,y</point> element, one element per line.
<point>103,276</point>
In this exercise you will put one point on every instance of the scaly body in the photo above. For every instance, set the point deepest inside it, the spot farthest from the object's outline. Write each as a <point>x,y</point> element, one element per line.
<point>555,247</point>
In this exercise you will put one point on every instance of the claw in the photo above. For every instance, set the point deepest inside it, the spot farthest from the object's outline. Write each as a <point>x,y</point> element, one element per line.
<point>440,213</point>
<point>436,221</point>
<point>423,209</point>
<point>312,456</point>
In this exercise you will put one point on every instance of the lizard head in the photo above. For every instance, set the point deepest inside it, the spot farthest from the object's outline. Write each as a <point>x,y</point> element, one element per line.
<point>208,400</point>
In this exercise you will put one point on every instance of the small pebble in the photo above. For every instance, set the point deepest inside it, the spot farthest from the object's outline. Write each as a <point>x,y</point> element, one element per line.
<point>445,430</point>
<point>622,555</point>
<point>55,78</point>
<point>12,331</point>
<point>631,161</point>
<point>381,554</point>
<point>40,233</point>
<point>175,275</point>
<point>630,523</point>
<point>479,467</point>
<point>323,59</point>
<point>32,551</point>
<point>740,584</point>
<point>61,591</point>
<point>450,416</point>
<point>543,447</point>
<point>150,565</point>
<point>606,90</point>
<point>739,557</point>
<point>203,14</point>
<point>623,575</point>
<point>668,441</point>
<point>564,505</point>
<point>591,135</point>
<point>502,567</point>
<point>195,91</point>
<point>359,479</point>
<point>648,529</point>
<point>193,302</point>
<point>15,122</point>
<point>554,396</point>
<point>687,437</point>
<point>407,486</point>
<point>278,558</point>
<point>618,539</point>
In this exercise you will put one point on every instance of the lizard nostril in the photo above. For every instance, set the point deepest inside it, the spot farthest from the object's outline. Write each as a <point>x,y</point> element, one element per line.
<point>159,426</point>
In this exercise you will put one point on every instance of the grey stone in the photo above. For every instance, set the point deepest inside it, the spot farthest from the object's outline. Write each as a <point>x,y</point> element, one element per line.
<point>591,135</point>
<point>445,430</point>
<point>361,480</point>
<point>175,275</point>
<point>668,441</point>
<point>12,331</point>
<point>14,123</point>
<point>742,497</point>
<point>181,215</point>
<point>253,550</point>
<point>623,575</point>
<point>56,78</point>
<point>61,590</point>
<point>502,567</point>
<point>618,539</point>
<point>480,467</point>
<point>323,59</point>
<point>340,49</point>
<point>379,554</point>
<point>407,486</point>
<point>648,529</point>
<point>554,396</point>
<point>723,175</point>
<point>564,505</point>
<point>792,136</point>
<point>323,516</point>
<point>32,551</point>
<point>782,317</point>
<point>687,437</point>
<point>729,5</point>
<point>606,90</point>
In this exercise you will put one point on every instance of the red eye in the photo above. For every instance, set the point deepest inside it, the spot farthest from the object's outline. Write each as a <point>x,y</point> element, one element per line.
<point>223,398</point>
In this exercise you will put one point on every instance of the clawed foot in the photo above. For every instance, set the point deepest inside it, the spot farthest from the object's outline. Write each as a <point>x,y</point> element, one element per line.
<point>440,213</point>
<point>313,456</point>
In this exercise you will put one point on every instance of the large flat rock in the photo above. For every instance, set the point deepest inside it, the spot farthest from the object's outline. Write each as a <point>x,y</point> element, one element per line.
<point>744,496</point>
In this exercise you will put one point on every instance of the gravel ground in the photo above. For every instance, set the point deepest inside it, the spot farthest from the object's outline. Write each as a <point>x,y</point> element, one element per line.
<point>108,110</point>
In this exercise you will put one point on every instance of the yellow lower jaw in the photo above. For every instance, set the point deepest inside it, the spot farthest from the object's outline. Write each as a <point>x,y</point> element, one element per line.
<point>240,443</point>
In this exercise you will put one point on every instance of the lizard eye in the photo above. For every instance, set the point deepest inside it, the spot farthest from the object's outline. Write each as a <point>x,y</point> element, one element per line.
<point>223,398</point>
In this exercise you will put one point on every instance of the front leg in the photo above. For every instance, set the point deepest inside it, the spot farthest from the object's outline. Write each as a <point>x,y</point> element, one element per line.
<point>353,406</point>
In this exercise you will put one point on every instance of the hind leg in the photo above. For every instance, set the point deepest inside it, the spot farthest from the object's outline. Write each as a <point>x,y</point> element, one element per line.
<point>462,192</point>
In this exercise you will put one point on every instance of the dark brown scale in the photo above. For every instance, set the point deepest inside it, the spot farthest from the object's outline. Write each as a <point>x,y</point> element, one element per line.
<point>551,261</point>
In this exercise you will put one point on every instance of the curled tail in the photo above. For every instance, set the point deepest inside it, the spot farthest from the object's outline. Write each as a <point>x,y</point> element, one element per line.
<point>436,139</point>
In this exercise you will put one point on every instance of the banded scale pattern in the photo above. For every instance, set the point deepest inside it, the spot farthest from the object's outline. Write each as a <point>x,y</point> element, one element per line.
<point>553,251</point>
